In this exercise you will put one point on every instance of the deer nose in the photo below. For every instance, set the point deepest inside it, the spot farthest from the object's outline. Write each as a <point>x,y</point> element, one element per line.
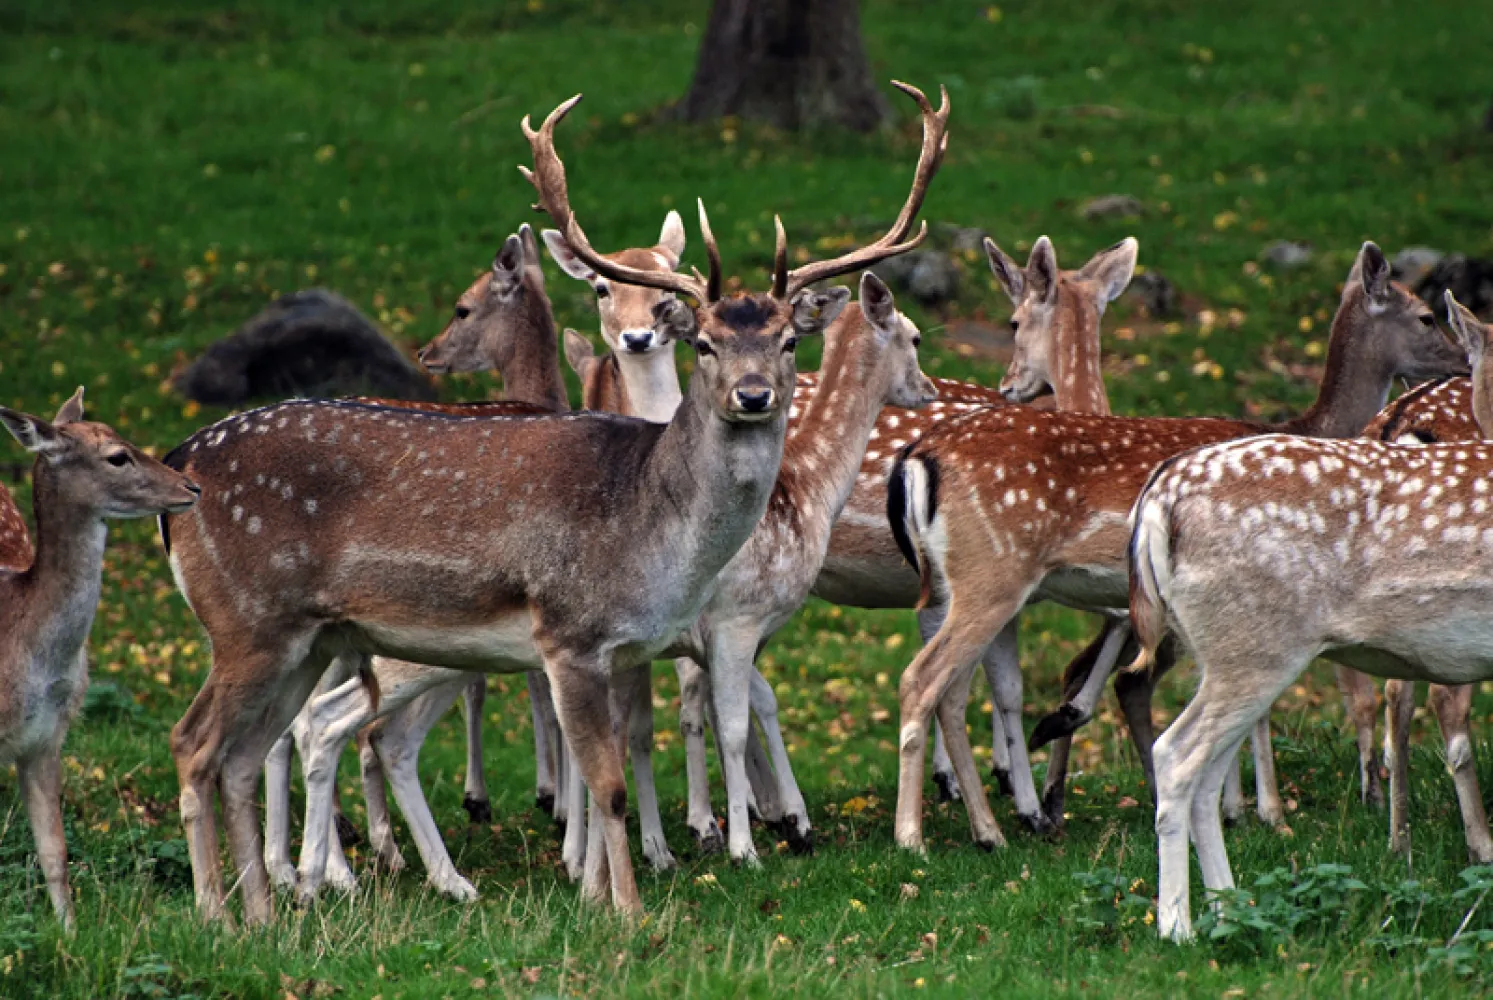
<point>420,354</point>
<point>754,398</point>
<point>637,343</point>
<point>193,488</point>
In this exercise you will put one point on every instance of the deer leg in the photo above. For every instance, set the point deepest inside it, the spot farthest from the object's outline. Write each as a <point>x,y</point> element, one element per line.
<point>795,812</point>
<point>694,690</point>
<point>1007,691</point>
<point>265,710</point>
<point>732,648</point>
<point>930,619</point>
<point>640,747</point>
<point>573,847</point>
<point>1361,701</point>
<point>1084,681</point>
<point>952,711</point>
<point>277,815</point>
<point>41,785</point>
<point>1452,706</point>
<point>1000,737</point>
<point>398,743</point>
<point>546,742</point>
<point>380,825</point>
<point>583,701</point>
<point>1233,793</point>
<point>1268,805</point>
<point>764,798</point>
<point>1134,689</point>
<point>336,870</point>
<point>958,644</point>
<point>331,719</point>
<point>474,797</point>
<point>1399,710</point>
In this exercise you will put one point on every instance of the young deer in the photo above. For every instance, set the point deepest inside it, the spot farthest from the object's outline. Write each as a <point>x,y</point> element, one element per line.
<point>1441,413</point>
<point>1265,553</point>
<point>85,474</point>
<point>1000,508</point>
<point>1056,322</point>
<point>334,527</point>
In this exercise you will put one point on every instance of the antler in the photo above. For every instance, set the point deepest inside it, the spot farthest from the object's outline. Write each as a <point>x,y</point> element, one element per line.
<point>935,142</point>
<point>548,178</point>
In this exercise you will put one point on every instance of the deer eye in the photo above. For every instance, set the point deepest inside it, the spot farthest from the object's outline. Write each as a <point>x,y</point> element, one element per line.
<point>917,342</point>
<point>120,459</point>
<point>462,312</point>
<point>1015,325</point>
<point>1428,321</point>
<point>790,345</point>
<point>703,348</point>
<point>602,291</point>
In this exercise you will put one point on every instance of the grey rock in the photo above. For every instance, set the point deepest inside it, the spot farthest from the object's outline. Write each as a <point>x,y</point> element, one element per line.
<point>929,276</point>
<point>1287,254</point>
<point>1412,264</point>
<point>311,343</point>
<point>1468,278</point>
<point>1154,293</point>
<point>1111,206</point>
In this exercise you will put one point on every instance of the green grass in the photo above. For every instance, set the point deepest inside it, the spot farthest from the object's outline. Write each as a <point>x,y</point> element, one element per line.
<point>164,172</point>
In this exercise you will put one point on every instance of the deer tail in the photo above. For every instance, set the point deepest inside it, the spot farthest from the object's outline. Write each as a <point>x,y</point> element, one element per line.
<point>911,504</point>
<point>1150,571</point>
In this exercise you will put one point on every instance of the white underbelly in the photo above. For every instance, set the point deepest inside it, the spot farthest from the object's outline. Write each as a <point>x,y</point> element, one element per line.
<point>504,645</point>
<point>1444,649</point>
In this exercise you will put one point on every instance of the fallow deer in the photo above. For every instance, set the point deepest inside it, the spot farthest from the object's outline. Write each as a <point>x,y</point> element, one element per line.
<point>1265,553</point>
<point>1000,508</point>
<point>1056,324</point>
<point>85,474</point>
<point>333,527</point>
<point>1459,409</point>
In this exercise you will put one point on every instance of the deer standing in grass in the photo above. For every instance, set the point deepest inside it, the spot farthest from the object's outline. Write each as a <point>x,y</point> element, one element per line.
<point>337,527</point>
<point>85,474</point>
<point>868,361</point>
<point>1265,553</point>
<point>1003,507</point>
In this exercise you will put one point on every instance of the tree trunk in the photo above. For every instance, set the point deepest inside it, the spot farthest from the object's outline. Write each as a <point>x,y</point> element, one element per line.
<point>791,63</point>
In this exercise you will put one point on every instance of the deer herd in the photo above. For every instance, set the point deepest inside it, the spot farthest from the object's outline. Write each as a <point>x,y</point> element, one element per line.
<point>360,565</point>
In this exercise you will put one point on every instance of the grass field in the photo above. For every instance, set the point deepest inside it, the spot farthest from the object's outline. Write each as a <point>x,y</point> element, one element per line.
<point>166,171</point>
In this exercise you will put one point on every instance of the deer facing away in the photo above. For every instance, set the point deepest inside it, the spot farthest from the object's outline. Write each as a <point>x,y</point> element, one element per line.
<point>85,474</point>
<point>1264,553</point>
<point>1003,507</point>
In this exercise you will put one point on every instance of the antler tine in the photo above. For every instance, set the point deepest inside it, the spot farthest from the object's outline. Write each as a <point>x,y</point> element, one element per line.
<point>548,178</point>
<point>712,252</point>
<point>895,240</point>
<point>779,260</point>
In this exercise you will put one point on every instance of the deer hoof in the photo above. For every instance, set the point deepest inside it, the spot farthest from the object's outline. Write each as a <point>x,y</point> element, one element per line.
<point>1039,824</point>
<point>710,840</point>
<point>989,844</point>
<point>1002,780</point>
<point>1052,805</point>
<point>799,843</point>
<point>546,802</point>
<point>948,786</point>
<point>478,810</point>
<point>346,832</point>
<point>282,875</point>
<point>1063,722</point>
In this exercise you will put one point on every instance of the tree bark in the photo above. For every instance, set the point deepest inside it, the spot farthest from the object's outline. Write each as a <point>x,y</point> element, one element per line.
<point>791,63</point>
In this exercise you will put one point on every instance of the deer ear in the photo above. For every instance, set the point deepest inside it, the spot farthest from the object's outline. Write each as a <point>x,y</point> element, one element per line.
<point>1372,271</point>
<point>1006,272</point>
<point>1112,269</point>
<point>673,319</point>
<point>813,310</point>
<point>566,258</point>
<point>71,411</point>
<point>1042,270</point>
<point>578,351</point>
<point>671,236</point>
<point>510,258</point>
<point>877,303</point>
<point>34,433</point>
<point>531,245</point>
<point>1471,333</point>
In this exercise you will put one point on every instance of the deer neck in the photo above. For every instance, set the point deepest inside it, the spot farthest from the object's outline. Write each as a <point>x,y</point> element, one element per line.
<point>66,574</point>
<point>531,372</point>
<point>1077,377</point>
<point>650,385</point>
<point>1482,397</point>
<point>706,484</point>
<point>1355,384</point>
<point>822,460</point>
